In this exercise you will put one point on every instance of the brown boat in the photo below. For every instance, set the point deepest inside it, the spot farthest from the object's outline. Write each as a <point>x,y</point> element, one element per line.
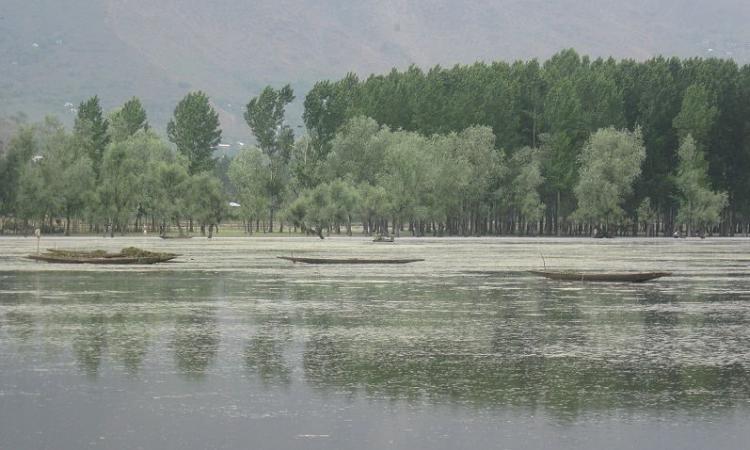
<point>347,260</point>
<point>184,236</point>
<point>622,277</point>
<point>130,255</point>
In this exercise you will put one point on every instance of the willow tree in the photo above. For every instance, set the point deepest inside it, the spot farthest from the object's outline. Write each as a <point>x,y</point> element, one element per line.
<point>166,182</point>
<point>404,176</point>
<point>59,180</point>
<point>249,175</point>
<point>18,153</point>
<point>525,180</point>
<point>358,150</point>
<point>206,201</point>
<point>610,162</point>
<point>698,204</point>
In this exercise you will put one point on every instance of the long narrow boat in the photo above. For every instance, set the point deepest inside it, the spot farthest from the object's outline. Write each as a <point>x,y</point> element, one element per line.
<point>166,236</point>
<point>126,256</point>
<point>631,277</point>
<point>295,259</point>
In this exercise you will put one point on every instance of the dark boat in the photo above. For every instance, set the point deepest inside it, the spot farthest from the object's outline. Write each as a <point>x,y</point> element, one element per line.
<point>164,236</point>
<point>383,239</point>
<point>348,260</point>
<point>630,277</point>
<point>129,255</point>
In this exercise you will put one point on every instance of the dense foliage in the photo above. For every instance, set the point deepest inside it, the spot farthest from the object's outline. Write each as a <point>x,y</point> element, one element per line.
<point>561,147</point>
<point>555,107</point>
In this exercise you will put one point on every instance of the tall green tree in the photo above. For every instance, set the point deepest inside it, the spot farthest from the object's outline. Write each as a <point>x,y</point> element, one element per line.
<point>195,130</point>
<point>264,115</point>
<point>18,153</point>
<point>327,106</point>
<point>699,205</point>
<point>250,175</point>
<point>563,116</point>
<point>358,150</point>
<point>526,172</point>
<point>127,120</point>
<point>697,116</point>
<point>126,185</point>
<point>404,177</point>
<point>206,200</point>
<point>73,182</point>
<point>92,129</point>
<point>610,162</point>
<point>58,181</point>
<point>166,182</point>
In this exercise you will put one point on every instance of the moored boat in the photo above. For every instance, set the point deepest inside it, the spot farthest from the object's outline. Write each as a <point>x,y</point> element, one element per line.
<point>130,255</point>
<point>625,277</point>
<point>295,259</point>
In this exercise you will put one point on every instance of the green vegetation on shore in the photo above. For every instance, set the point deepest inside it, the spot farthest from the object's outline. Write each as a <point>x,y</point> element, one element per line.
<point>569,146</point>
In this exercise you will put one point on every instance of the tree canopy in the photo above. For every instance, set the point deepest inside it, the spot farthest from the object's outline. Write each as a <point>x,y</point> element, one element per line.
<point>530,147</point>
<point>195,131</point>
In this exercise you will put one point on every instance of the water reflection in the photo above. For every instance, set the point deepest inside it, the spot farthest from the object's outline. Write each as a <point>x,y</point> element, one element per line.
<point>129,341</point>
<point>482,341</point>
<point>20,325</point>
<point>89,343</point>
<point>195,342</point>
<point>264,354</point>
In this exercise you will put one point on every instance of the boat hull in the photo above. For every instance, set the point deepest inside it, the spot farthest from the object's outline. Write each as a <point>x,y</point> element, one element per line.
<point>113,260</point>
<point>347,260</point>
<point>621,277</point>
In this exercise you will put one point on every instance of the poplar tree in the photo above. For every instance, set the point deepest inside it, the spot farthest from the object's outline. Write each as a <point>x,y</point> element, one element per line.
<point>195,131</point>
<point>92,129</point>
<point>128,120</point>
<point>264,115</point>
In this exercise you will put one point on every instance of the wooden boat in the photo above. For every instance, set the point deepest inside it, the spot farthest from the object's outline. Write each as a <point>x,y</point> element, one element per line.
<point>164,236</point>
<point>383,239</point>
<point>130,255</point>
<point>623,277</point>
<point>348,260</point>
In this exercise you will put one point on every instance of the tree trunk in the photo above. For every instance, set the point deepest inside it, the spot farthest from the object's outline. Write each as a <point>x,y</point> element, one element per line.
<point>557,215</point>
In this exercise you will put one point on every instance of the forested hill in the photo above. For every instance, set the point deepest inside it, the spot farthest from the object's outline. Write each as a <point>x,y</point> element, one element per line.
<point>54,53</point>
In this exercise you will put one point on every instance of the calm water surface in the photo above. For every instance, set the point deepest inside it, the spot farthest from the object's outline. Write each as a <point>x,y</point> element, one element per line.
<point>230,347</point>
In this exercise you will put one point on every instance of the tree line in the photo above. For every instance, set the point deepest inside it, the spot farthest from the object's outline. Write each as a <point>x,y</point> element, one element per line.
<point>567,146</point>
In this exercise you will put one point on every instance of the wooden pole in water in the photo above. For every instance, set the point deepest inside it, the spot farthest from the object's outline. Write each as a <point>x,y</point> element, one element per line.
<point>543,261</point>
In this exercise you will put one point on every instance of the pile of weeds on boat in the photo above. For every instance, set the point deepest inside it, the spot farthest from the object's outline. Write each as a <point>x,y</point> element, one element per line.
<point>127,252</point>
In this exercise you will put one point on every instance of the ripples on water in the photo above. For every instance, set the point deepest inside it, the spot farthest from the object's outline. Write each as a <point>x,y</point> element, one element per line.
<point>230,346</point>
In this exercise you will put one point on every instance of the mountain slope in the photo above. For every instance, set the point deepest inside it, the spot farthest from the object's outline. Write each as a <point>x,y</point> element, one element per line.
<point>53,52</point>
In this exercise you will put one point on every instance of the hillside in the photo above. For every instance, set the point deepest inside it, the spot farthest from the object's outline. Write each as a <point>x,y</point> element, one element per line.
<point>53,53</point>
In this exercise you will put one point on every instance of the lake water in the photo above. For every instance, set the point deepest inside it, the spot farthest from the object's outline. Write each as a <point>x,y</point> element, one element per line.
<point>229,347</point>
